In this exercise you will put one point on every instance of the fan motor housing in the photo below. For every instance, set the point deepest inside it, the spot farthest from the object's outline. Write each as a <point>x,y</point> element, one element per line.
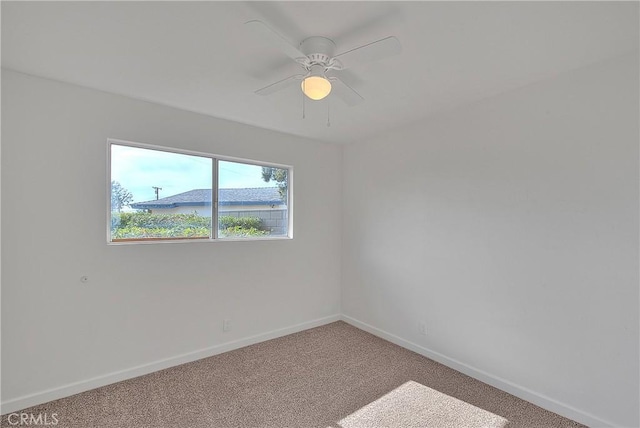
<point>318,49</point>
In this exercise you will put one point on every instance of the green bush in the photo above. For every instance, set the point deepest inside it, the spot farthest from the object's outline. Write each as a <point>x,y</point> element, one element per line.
<point>157,232</point>
<point>148,220</point>
<point>240,232</point>
<point>240,227</point>
<point>147,225</point>
<point>227,221</point>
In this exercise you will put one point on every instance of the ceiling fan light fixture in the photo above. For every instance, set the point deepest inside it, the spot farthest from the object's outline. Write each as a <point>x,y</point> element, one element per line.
<point>316,87</point>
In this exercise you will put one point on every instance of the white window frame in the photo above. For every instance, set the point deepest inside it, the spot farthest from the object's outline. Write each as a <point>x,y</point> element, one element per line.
<point>214,196</point>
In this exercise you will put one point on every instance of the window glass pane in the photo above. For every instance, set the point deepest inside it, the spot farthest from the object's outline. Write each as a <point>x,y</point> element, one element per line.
<point>252,200</point>
<point>159,195</point>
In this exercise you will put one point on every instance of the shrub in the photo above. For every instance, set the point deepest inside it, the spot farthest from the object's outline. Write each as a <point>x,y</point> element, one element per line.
<point>147,225</point>
<point>227,221</point>
<point>240,227</point>
<point>148,220</point>
<point>240,232</point>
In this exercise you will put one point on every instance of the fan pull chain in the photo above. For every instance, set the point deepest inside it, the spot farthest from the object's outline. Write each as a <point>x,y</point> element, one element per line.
<point>328,110</point>
<point>303,115</point>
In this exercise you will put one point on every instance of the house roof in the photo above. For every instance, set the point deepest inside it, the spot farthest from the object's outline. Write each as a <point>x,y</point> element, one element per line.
<point>202,197</point>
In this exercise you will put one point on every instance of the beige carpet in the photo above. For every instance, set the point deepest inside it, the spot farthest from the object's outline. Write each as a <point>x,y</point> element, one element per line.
<point>332,376</point>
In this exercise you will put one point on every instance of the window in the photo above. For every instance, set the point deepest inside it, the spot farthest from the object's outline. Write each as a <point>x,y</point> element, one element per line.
<point>252,200</point>
<point>160,194</point>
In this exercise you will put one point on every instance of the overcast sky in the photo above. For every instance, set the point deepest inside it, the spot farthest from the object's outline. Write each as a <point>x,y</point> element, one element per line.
<point>138,170</point>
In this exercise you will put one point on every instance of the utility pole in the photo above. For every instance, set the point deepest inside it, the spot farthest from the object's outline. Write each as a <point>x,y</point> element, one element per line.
<point>157,189</point>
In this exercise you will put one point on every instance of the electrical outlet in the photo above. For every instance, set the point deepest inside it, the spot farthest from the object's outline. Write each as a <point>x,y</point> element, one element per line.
<point>423,328</point>
<point>226,325</point>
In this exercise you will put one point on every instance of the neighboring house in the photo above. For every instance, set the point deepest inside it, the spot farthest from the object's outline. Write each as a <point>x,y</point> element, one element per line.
<point>230,202</point>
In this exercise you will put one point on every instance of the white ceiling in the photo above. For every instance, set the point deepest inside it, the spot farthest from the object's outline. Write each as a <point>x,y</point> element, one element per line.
<point>198,56</point>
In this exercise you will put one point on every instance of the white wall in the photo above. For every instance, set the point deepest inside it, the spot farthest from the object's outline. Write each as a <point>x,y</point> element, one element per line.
<point>204,211</point>
<point>516,243</point>
<point>143,303</point>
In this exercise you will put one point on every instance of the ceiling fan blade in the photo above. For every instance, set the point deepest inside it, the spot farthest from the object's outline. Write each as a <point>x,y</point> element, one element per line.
<point>345,92</point>
<point>373,51</point>
<point>263,32</point>
<point>280,85</point>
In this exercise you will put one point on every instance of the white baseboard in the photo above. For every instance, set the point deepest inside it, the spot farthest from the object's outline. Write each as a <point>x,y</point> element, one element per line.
<point>109,378</point>
<point>503,384</point>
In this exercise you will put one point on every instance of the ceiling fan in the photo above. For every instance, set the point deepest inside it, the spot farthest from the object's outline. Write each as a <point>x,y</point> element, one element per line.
<point>321,67</point>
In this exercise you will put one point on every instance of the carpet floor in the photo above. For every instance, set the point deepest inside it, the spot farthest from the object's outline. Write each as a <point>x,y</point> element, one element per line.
<point>334,376</point>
